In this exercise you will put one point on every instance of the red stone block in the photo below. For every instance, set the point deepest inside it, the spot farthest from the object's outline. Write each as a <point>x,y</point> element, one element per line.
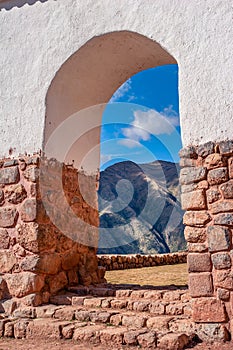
<point>208,310</point>
<point>200,284</point>
<point>199,262</point>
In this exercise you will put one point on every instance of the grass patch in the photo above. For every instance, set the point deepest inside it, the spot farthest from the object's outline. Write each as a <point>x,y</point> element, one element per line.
<point>164,275</point>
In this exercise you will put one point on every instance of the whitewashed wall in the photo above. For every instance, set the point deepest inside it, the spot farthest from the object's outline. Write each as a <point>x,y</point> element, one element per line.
<point>36,40</point>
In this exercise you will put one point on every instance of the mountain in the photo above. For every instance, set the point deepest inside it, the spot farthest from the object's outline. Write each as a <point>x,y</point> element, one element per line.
<point>140,209</point>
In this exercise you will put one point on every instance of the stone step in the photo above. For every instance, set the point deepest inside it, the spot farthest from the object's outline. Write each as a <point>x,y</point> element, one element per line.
<point>95,334</point>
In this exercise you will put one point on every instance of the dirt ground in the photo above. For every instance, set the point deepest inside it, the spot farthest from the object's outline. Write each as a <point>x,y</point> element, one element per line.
<point>18,344</point>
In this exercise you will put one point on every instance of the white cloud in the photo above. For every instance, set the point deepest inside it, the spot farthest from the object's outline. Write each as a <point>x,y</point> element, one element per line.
<point>123,89</point>
<point>129,143</point>
<point>151,122</point>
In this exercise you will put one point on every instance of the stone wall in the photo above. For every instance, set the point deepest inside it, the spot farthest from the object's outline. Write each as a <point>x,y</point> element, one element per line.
<point>36,258</point>
<point>207,196</point>
<point>122,262</point>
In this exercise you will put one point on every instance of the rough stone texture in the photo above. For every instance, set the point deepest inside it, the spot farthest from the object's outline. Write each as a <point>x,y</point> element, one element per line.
<point>215,160</point>
<point>227,189</point>
<point>193,200</point>
<point>190,175</point>
<point>222,206</point>
<point>226,147</point>
<point>29,210</point>
<point>196,218</point>
<point>8,216</point>
<point>219,238</point>
<point>217,176</point>
<point>199,262</point>
<point>213,195</point>
<point>9,175</point>
<point>195,234</point>
<point>23,283</point>
<point>221,260</point>
<point>200,284</point>
<point>230,167</point>
<point>224,219</point>
<point>224,279</point>
<point>208,310</point>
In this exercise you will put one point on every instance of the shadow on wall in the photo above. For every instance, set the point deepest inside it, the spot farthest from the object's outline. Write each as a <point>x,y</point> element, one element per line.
<point>8,5</point>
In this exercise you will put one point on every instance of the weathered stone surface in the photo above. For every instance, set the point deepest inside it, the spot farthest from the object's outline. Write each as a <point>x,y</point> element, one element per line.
<point>23,283</point>
<point>57,282</point>
<point>93,302</point>
<point>65,313</point>
<point>212,332</point>
<point>208,310</point>
<point>7,261</point>
<point>116,319</point>
<point>82,315</point>
<point>226,147</point>
<point>188,152</point>
<point>147,340</point>
<point>195,234</point>
<point>130,337</point>
<point>218,238</point>
<point>186,162</point>
<point>86,334</point>
<point>15,194</point>
<point>33,299</point>
<point>45,264</point>
<point>213,194</point>
<point>215,160</point>
<point>190,175</point>
<point>223,294</point>
<point>134,321</point>
<point>70,260</point>
<point>29,210</point>
<point>8,216</point>
<point>158,323</point>
<point>157,308</point>
<point>68,331</point>
<point>222,206</point>
<point>202,185</point>
<point>100,317</point>
<point>200,284</point>
<point>199,262</point>
<point>217,176</point>
<point>112,335</point>
<point>176,341</point>
<point>205,149</point>
<point>227,189</point>
<point>224,219</point>
<point>224,279</point>
<point>36,238</point>
<point>230,167</point>
<point>221,260</point>
<point>9,329</point>
<point>9,175</point>
<point>1,197</point>
<point>40,329</point>
<point>196,218</point>
<point>197,247</point>
<point>4,239</point>
<point>193,200</point>
<point>31,173</point>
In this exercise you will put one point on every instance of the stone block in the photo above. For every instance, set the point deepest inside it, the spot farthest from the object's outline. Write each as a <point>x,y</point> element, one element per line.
<point>23,283</point>
<point>196,218</point>
<point>208,310</point>
<point>36,238</point>
<point>174,341</point>
<point>57,282</point>
<point>221,260</point>
<point>213,194</point>
<point>212,332</point>
<point>224,219</point>
<point>195,234</point>
<point>15,194</point>
<point>40,329</point>
<point>190,175</point>
<point>223,279</point>
<point>193,200</point>
<point>112,335</point>
<point>230,167</point>
<point>227,189</point>
<point>205,149</point>
<point>45,264</point>
<point>130,337</point>
<point>222,206</point>
<point>215,160</point>
<point>197,247</point>
<point>100,317</point>
<point>7,261</point>
<point>218,238</point>
<point>9,175</point>
<point>133,321</point>
<point>188,152</point>
<point>226,147</point>
<point>199,262</point>
<point>202,185</point>
<point>32,174</point>
<point>1,197</point>
<point>223,294</point>
<point>157,308</point>
<point>4,239</point>
<point>217,176</point>
<point>8,216</point>
<point>147,340</point>
<point>70,259</point>
<point>200,284</point>
<point>28,210</point>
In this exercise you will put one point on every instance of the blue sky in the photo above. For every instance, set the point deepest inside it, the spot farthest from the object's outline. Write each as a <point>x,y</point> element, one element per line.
<point>141,120</point>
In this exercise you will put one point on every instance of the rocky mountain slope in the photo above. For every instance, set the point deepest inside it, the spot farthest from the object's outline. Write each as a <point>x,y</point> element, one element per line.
<point>140,209</point>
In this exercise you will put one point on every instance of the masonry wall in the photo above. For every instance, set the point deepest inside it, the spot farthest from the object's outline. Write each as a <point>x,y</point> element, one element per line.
<point>36,259</point>
<point>207,196</point>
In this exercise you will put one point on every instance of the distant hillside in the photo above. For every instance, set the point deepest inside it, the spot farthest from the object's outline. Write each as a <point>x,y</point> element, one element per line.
<point>140,210</point>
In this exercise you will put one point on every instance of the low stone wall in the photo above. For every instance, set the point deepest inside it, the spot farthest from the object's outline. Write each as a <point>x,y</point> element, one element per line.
<point>123,262</point>
<point>36,258</point>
